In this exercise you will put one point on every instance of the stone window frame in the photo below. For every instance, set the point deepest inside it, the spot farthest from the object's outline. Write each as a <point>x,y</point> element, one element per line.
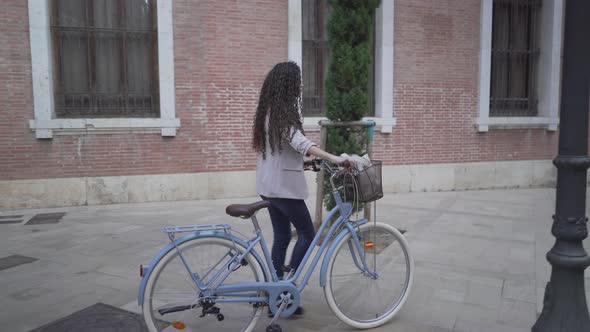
<point>384,52</point>
<point>46,125</point>
<point>549,73</point>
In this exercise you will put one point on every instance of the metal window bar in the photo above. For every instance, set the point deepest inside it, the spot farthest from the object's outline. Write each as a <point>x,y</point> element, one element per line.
<point>515,55</point>
<point>316,55</point>
<point>316,58</point>
<point>84,96</point>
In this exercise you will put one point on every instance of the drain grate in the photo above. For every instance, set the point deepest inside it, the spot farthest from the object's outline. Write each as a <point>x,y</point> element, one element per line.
<point>46,218</point>
<point>15,260</point>
<point>10,220</point>
<point>99,317</point>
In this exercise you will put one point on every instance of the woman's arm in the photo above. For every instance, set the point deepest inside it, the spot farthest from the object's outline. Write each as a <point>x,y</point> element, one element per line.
<point>315,151</point>
<point>306,147</point>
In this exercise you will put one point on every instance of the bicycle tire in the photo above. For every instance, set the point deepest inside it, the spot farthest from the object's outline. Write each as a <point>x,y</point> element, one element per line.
<point>352,295</point>
<point>190,318</point>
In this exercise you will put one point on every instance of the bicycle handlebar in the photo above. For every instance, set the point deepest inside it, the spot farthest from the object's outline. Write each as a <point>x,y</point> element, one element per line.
<point>314,165</point>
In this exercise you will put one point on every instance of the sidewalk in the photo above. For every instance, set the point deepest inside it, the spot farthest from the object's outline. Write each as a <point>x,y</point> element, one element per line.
<point>479,259</point>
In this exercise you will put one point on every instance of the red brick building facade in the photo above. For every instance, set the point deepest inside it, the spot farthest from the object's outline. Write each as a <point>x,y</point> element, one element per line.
<point>441,137</point>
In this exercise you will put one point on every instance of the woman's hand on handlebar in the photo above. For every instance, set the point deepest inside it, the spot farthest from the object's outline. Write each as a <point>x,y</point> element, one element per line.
<point>344,161</point>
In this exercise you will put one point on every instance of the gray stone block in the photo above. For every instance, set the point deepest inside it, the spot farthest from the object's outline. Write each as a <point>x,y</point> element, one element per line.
<point>521,290</point>
<point>517,313</point>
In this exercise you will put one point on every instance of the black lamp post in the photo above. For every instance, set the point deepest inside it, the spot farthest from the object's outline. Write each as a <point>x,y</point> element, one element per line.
<point>564,306</point>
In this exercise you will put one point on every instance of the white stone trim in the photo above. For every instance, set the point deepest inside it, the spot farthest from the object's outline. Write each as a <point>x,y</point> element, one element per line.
<point>166,65</point>
<point>485,63</point>
<point>41,62</point>
<point>383,62</point>
<point>384,55</point>
<point>311,124</point>
<point>45,122</point>
<point>518,122</point>
<point>63,126</point>
<point>551,49</point>
<point>295,43</point>
<point>549,71</point>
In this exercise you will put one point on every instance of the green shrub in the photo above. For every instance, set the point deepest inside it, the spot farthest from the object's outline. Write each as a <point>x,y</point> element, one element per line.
<point>350,27</point>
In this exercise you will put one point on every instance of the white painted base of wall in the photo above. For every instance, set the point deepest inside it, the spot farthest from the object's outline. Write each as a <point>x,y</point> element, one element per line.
<point>38,193</point>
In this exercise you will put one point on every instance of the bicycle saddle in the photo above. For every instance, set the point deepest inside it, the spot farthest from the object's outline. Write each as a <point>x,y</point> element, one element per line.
<point>246,210</point>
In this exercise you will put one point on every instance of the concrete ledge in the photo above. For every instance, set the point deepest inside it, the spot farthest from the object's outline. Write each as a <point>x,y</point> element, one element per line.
<point>38,193</point>
<point>549,123</point>
<point>469,176</point>
<point>167,127</point>
<point>42,193</point>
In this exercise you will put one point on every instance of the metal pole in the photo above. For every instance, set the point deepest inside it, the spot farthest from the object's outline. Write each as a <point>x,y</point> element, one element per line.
<point>324,124</point>
<point>319,201</point>
<point>564,305</point>
<point>370,135</point>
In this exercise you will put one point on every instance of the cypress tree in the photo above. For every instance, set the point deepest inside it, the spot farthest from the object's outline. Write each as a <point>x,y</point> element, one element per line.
<point>350,28</point>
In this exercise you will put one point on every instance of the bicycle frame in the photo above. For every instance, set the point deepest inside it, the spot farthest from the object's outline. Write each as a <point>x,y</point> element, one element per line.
<point>248,291</point>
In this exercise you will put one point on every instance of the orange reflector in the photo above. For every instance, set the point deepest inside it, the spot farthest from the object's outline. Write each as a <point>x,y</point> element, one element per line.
<point>178,325</point>
<point>369,245</point>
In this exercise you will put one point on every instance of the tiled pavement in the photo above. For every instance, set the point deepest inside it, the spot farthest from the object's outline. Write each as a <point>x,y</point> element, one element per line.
<point>479,259</point>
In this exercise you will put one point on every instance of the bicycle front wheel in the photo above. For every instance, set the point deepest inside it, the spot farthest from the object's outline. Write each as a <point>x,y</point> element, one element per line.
<point>170,287</point>
<point>367,299</point>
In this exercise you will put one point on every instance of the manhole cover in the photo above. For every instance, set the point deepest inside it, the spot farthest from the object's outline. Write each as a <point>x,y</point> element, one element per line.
<point>97,318</point>
<point>46,218</point>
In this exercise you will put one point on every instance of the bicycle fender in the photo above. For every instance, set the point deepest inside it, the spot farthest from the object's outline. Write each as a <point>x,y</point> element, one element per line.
<point>147,270</point>
<point>330,252</point>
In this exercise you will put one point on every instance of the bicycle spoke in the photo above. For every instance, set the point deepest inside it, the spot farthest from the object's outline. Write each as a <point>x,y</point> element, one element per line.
<point>173,298</point>
<point>347,275</point>
<point>361,299</point>
<point>177,299</point>
<point>189,280</point>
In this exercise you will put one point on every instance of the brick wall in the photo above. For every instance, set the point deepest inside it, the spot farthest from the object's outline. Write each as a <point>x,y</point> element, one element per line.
<point>15,94</point>
<point>436,92</point>
<point>223,49</point>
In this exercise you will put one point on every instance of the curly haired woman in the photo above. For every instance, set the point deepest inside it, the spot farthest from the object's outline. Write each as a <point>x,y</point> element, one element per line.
<point>279,140</point>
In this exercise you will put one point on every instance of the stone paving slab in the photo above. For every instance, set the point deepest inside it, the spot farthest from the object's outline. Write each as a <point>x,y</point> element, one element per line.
<point>479,259</point>
<point>98,317</point>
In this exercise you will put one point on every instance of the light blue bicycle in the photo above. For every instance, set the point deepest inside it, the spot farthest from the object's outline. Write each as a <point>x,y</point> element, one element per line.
<point>211,279</point>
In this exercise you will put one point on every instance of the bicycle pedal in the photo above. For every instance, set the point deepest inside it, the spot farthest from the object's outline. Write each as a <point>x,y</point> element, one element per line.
<point>274,328</point>
<point>283,306</point>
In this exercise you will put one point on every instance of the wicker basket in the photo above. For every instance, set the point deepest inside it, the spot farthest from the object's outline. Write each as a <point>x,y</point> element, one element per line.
<point>366,185</point>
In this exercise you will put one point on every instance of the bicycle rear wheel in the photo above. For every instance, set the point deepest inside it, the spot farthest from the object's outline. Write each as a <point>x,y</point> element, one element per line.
<point>171,286</point>
<point>358,299</point>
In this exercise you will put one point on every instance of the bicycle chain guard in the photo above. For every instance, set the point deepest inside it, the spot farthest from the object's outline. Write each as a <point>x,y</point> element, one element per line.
<point>277,296</point>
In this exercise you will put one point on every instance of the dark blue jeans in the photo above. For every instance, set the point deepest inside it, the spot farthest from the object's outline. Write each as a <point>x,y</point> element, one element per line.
<point>284,212</point>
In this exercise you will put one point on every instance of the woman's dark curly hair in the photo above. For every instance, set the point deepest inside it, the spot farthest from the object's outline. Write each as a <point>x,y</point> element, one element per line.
<point>281,96</point>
